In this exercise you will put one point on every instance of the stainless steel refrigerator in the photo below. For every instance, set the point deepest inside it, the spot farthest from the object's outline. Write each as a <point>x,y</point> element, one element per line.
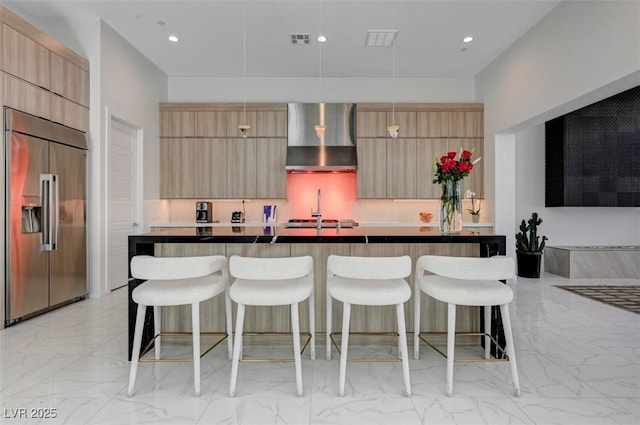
<point>45,210</point>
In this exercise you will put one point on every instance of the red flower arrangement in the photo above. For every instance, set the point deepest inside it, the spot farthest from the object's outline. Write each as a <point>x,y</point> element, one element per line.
<point>451,169</point>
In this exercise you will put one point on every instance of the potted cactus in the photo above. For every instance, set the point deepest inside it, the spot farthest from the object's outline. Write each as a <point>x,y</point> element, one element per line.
<point>529,246</point>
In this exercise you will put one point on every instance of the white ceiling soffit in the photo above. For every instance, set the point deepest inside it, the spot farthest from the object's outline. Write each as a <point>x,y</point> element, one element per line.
<point>210,34</point>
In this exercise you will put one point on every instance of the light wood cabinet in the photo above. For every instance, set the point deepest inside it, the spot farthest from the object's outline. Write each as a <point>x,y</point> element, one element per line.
<point>26,97</point>
<point>241,173</point>
<point>177,159</point>
<point>426,151</point>
<point>426,131</point>
<point>407,120</point>
<point>467,124</point>
<point>177,123</point>
<point>271,124</point>
<point>69,80</point>
<point>69,113</point>
<point>24,58</point>
<point>271,155</point>
<point>372,168</point>
<point>434,124</point>
<point>210,168</point>
<point>371,124</point>
<point>401,169</point>
<point>207,123</point>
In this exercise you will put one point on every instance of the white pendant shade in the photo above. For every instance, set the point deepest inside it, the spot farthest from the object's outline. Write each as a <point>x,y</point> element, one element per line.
<point>393,131</point>
<point>320,128</point>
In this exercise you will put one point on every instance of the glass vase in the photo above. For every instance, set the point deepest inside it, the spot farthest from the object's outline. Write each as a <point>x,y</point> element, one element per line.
<point>450,207</point>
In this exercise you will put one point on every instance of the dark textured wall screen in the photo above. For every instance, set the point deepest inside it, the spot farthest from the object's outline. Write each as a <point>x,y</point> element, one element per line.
<point>592,155</point>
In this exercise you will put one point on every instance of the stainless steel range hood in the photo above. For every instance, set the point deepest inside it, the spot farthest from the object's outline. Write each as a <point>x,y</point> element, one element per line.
<point>335,151</point>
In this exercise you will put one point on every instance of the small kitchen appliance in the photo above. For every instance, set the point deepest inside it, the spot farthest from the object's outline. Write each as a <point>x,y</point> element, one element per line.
<point>204,212</point>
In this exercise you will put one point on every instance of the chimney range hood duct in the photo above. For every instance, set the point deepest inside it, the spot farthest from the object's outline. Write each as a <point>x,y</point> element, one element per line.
<point>335,150</point>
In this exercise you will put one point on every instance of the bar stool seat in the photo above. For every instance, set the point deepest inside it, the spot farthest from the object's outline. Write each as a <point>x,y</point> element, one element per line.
<point>370,292</point>
<point>174,281</point>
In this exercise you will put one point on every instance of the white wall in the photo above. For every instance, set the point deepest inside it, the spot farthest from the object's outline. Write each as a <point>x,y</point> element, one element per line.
<point>581,52</point>
<point>334,90</point>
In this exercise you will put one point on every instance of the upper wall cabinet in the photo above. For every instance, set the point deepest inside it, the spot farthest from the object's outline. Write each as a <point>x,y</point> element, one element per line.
<point>224,164</point>
<point>402,168</point>
<point>69,80</point>
<point>41,76</point>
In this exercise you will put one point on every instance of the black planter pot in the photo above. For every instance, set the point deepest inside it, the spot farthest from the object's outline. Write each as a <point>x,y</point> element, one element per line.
<point>529,263</point>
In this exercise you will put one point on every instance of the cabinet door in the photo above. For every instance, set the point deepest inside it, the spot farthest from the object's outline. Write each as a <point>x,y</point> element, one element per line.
<point>236,118</point>
<point>434,124</point>
<point>371,124</point>
<point>401,168</point>
<point>210,168</point>
<point>475,181</point>
<point>69,113</point>
<point>427,150</point>
<point>467,124</point>
<point>25,58</point>
<point>372,168</point>
<point>69,80</point>
<point>271,124</point>
<point>406,121</point>
<point>177,123</point>
<point>270,165</point>
<point>26,97</point>
<point>177,171</point>
<point>241,174</point>
<point>211,124</point>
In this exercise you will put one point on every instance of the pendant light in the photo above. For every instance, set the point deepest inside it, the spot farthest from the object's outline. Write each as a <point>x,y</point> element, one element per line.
<point>320,127</point>
<point>244,128</point>
<point>393,129</point>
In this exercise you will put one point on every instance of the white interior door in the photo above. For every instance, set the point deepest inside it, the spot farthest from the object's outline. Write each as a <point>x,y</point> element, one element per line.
<point>122,210</point>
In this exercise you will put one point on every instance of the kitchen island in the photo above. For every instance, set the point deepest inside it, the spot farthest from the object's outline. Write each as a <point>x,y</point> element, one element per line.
<point>279,241</point>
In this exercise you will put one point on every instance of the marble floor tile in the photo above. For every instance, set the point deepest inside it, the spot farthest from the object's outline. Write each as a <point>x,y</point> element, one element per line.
<point>579,363</point>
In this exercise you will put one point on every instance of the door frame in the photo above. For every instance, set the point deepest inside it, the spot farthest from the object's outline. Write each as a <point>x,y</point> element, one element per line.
<point>137,139</point>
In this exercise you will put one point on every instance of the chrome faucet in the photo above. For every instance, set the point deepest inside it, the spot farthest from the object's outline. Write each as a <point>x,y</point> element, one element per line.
<point>318,214</point>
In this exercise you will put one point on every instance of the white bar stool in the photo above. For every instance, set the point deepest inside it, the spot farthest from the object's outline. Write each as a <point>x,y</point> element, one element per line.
<point>370,281</point>
<point>471,282</point>
<point>272,282</point>
<point>175,281</point>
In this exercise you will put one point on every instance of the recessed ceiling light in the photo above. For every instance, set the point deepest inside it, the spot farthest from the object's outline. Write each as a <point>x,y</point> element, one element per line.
<point>322,38</point>
<point>467,39</point>
<point>173,38</point>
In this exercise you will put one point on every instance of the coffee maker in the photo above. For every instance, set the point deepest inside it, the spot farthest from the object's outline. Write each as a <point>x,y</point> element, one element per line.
<point>204,212</point>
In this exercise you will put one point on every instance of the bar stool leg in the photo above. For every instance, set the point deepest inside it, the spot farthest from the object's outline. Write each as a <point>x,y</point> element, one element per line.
<point>416,323</point>
<point>329,324</point>
<point>487,331</point>
<point>295,327</point>
<point>312,326</point>
<point>511,352</point>
<point>195,328</point>
<point>237,347</point>
<point>157,328</point>
<point>135,353</point>
<point>228,312</point>
<point>346,318</point>
<point>404,352</point>
<point>451,346</point>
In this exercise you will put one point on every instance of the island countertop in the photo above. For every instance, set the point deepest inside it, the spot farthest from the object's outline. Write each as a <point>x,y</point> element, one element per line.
<point>280,234</point>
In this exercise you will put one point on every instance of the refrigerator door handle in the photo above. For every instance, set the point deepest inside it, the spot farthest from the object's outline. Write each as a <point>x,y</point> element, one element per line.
<point>46,192</point>
<point>55,211</point>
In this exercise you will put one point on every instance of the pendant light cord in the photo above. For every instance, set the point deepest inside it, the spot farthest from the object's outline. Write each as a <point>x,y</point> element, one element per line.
<point>393,64</point>
<point>244,63</point>
<point>320,56</point>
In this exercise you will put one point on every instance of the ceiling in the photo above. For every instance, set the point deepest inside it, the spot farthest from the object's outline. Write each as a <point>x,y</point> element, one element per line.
<point>428,44</point>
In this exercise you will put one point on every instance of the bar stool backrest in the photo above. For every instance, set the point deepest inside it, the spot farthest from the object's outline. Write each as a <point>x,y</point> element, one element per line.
<point>369,268</point>
<point>170,268</point>
<point>469,268</point>
<point>278,268</point>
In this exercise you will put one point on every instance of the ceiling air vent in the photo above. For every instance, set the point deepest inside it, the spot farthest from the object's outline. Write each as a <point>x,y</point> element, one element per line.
<point>380,38</point>
<point>299,39</point>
